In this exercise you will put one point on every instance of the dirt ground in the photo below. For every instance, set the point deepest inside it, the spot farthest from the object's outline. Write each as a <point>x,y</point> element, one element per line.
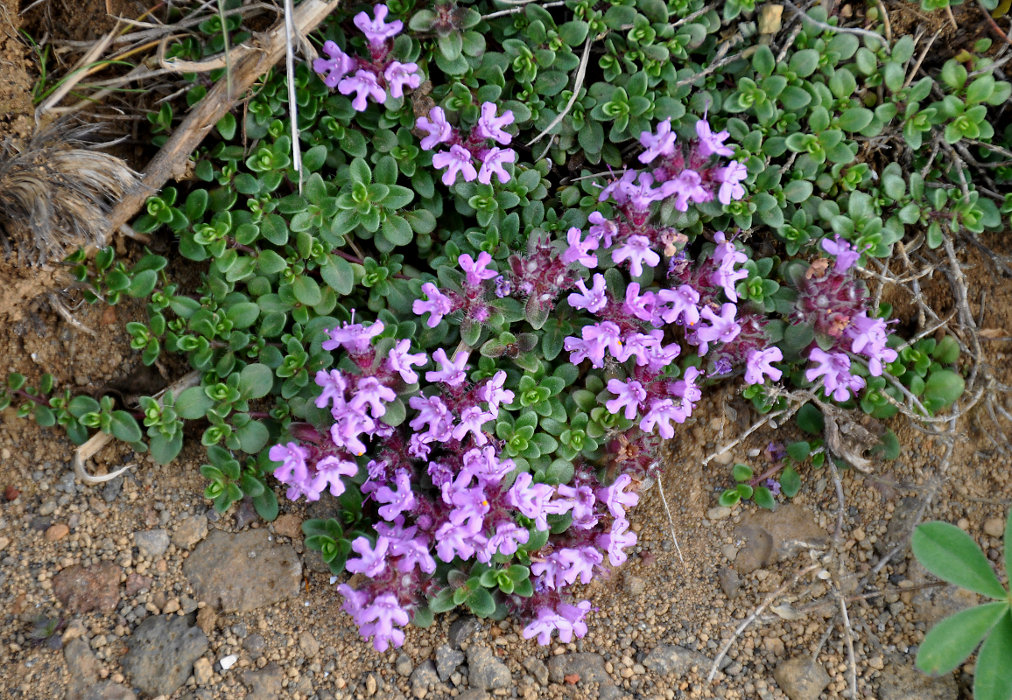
<point>658,622</point>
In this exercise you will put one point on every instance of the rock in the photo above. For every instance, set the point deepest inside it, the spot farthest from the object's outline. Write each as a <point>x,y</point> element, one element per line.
<point>903,681</point>
<point>900,526</point>
<point>485,671</point>
<point>81,662</point>
<point>462,630</point>
<point>994,527</point>
<point>190,531</point>
<point>264,684</point>
<point>668,658</point>
<point>718,513</point>
<point>83,589</point>
<point>202,671</point>
<point>255,645</point>
<point>57,532</point>
<point>634,586</point>
<point>161,653</point>
<point>207,618</point>
<point>729,581</point>
<point>424,677</point>
<point>447,660</point>
<point>371,686</point>
<point>244,571</point>
<point>773,535</point>
<point>801,678</point>
<point>403,665</point>
<point>536,667</point>
<point>289,525</point>
<point>310,647</point>
<point>589,667</point>
<point>135,583</point>
<point>473,694</point>
<point>107,690</point>
<point>245,514</point>
<point>610,692</point>
<point>152,543</point>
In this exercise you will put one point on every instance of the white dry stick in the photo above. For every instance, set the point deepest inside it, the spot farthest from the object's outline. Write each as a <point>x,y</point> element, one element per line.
<point>581,73</point>
<point>293,107</point>
<point>671,521</point>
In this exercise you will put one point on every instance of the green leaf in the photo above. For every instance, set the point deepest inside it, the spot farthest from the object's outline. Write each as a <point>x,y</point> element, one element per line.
<point>763,498</point>
<point>810,419</point>
<point>952,555</point>
<point>307,291</point>
<point>943,387</point>
<point>742,472</point>
<point>855,119</point>
<point>790,482</point>
<point>480,602</point>
<point>443,602</point>
<point>164,449</point>
<point>193,403</point>
<point>252,437</point>
<point>243,314</point>
<point>953,639</point>
<point>991,679</point>
<point>255,381</point>
<point>338,274</point>
<point>124,427</point>
<point>266,505</point>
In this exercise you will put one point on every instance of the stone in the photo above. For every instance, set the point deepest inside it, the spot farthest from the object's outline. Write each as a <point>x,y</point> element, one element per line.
<point>264,684</point>
<point>718,513</point>
<point>289,525</point>
<point>669,658</point>
<point>462,630</point>
<point>207,618</point>
<point>57,532</point>
<point>729,581</point>
<point>586,666</point>
<point>904,682</point>
<point>190,530</point>
<point>447,660</point>
<point>83,589</point>
<point>536,667</point>
<point>403,665</point>
<point>473,694</point>
<point>162,651</point>
<point>901,525</point>
<point>308,644</point>
<point>484,670</point>
<point>255,645</point>
<point>135,583</point>
<point>424,677</point>
<point>994,527</point>
<point>202,671</point>
<point>770,536</point>
<point>610,692</point>
<point>244,571</point>
<point>108,690</point>
<point>801,678</point>
<point>81,661</point>
<point>152,543</point>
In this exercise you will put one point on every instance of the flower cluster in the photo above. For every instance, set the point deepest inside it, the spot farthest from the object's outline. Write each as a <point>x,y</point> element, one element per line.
<point>379,77</point>
<point>482,145</point>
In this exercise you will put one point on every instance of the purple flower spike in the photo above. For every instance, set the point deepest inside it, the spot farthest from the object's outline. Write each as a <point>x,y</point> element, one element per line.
<point>400,75</point>
<point>354,337</point>
<point>490,126</point>
<point>329,470</point>
<point>450,371</point>
<point>364,85</point>
<point>530,499</point>
<point>758,364</point>
<point>377,31</point>
<point>579,250</point>
<point>711,143</point>
<point>476,270</point>
<point>660,143</point>
<point>835,370</point>
<point>616,541</point>
<point>436,126</point>
<point>567,622</point>
<point>661,413</point>
<point>293,462</point>
<point>492,162</point>
<point>378,621</point>
<point>336,67</point>
<point>456,160</point>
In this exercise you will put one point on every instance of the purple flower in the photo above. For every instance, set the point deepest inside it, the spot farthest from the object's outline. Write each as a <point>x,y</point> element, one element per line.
<point>477,270</point>
<point>364,85</point>
<point>493,393</point>
<point>436,303</point>
<point>868,337</point>
<point>617,540</point>
<point>371,560</point>
<point>530,499</point>
<point>579,250</point>
<point>454,539</point>
<point>603,335</point>
<point>616,498</point>
<point>641,345</point>
<point>642,306</point>
<point>456,160</point>
<point>490,126</point>
<point>661,413</point>
<point>722,328</point>
<point>687,187</point>
<point>485,466</point>
<point>709,142</point>
<point>618,189</point>
<point>450,371</point>
<point>578,501</point>
<point>492,162</point>
<point>354,337</point>
<point>726,276</point>
<point>579,562</point>
<point>773,485</point>
<point>846,254</point>
<point>730,178</point>
<point>507,539</point>
<point>293,462</point>
<point>568,622</point>
<point>433,414</point>
<point>682,304</point>
<point>378,621</point>
<point>400,360</point>
<point>399,75</point>
<point>835,370</point>
<point>660,143</point>
<point>329,470</point>
<point>399,501</point>
<point>644,193</point>
<point>376,30</point>
<point>758,363</point>
<point>369,392</point>
<point>503,288</point>
<point>593,299</point>
<point>686,387</point>
<point>628,395</point>
<point>438,129</point>
<point>656,356</point>
<point>348,426</point>
<point>602,229</point>
<point>637,251</point>
<point>336,67</point>
<point>472,419</point>
<point>333,384</point>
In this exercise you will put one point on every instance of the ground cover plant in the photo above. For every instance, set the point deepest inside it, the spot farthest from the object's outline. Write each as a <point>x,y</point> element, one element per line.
<point>505,270</point>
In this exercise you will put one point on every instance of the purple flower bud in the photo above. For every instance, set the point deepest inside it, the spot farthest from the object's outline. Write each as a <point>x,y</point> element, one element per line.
<point>377,31</point>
